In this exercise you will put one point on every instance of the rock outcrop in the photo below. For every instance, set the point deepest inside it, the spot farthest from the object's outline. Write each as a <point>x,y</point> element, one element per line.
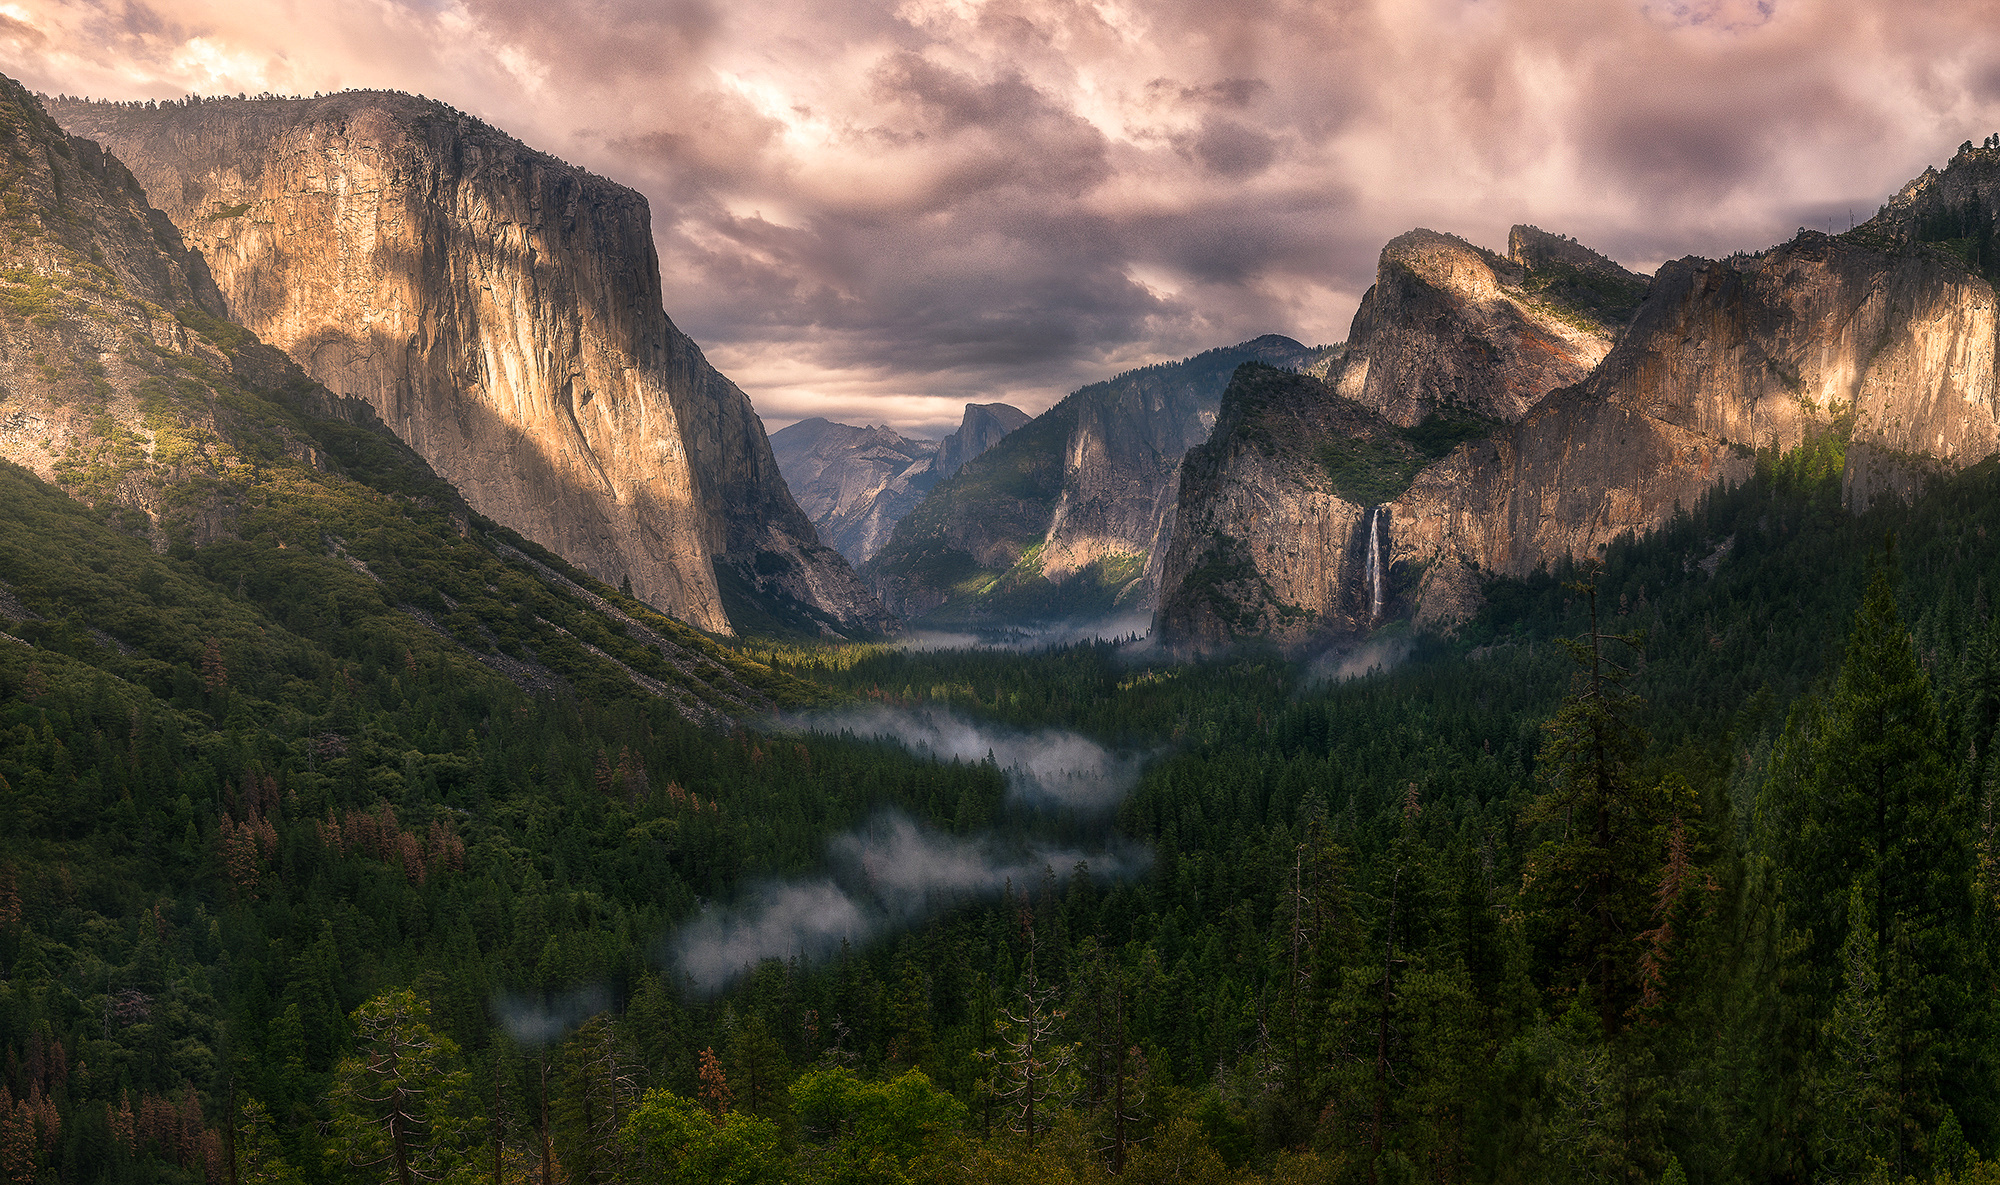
<point>981,427</point>
<point>856,484</point>
<point>502,312</point>
<point>1883,338</point>
<point>123,387</point>
<point>1453,329</point>
<point>1067,516</point>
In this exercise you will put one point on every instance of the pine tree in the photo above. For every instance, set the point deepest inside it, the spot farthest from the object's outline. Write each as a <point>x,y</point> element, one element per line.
<point>399,1108</point>
<point>1590,886</point>
<point>1873,841</point>
<point>1029,1065</point>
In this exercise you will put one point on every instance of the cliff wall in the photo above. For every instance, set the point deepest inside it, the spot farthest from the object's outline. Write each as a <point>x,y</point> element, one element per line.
<point>1881,337</point>
<point>502,312</point>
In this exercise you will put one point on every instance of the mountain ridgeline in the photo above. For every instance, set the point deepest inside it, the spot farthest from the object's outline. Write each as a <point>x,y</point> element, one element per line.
<point>1068,515</point>
<point>1550,403</point>
<point>856,484</point>
<point>348,835</point>
<point>501,311</point>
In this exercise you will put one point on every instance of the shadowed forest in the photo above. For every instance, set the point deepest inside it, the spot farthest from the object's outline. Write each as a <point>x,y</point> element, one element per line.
<point>1680,867</point>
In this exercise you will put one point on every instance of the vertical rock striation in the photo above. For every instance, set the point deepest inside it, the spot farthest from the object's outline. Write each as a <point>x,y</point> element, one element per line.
<point>502,312</point>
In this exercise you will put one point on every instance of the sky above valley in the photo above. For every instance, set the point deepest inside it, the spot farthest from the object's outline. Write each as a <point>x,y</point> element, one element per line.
<point>879,211</point>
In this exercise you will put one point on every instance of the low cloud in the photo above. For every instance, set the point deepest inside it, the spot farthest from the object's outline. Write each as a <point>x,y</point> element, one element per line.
<point>1044,767</point>
<point>894,872</point>
<point>535,1021</point>
<point>1370,658</point>
<point>1130,629</point>
<point>888,875</point>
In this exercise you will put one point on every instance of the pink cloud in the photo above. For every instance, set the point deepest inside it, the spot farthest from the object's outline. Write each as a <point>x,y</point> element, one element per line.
<point>881,209</point>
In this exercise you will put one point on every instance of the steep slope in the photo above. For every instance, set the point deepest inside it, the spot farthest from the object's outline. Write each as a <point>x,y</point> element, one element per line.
<point>1450,327</point>
<point>502,312</point>
<point>981,427</point>
<point>186,435</point>
<point>1876,348</point>
<point>1067,515</point>
<point>856,484</point>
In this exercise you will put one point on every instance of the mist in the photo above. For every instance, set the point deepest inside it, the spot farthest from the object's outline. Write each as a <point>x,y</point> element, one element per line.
<point>887,875</point>
<point>537,1021</point>
<point>1127,629</point>
<point>1377,657</point>
<point>894,872</point>
<point>1044,767</point>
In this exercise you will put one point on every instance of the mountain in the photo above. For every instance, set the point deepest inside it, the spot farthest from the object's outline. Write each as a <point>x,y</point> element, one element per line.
<point>983,426</point>
<point>502,313</point>
<point>1449,327</point>
<point>178,491</point>
<point>1066,516</point>
<point>856,484</point>
<point>1872,351</point>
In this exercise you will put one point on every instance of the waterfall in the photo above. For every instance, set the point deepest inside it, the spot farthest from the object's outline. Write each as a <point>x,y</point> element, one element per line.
<point>1375,563</point>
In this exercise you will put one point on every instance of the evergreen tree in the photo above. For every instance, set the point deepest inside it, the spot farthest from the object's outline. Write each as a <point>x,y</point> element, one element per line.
<point>400,1110</point>
<point>1874,846</point>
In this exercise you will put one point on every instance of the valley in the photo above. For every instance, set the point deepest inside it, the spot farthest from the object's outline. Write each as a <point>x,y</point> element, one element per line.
<point>1544,737</point>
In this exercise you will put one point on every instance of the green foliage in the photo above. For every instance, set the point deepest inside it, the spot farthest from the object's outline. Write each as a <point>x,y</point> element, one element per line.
<point>1372,470</point>
<point>400,1111</point>
<point>874,1131</point>
<point>687,1147</point>
<point>1590,299</point>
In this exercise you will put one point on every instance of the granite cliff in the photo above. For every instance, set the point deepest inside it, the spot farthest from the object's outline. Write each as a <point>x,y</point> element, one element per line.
<point>1068,515</point>
<point>856,484</point>
<point>123,387</point>
<point>502,312</point>
<point>1451,328</point>
<point>1880,341</point>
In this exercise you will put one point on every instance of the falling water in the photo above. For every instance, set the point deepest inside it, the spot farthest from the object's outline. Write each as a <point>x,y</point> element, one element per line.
<point>1375,563</point>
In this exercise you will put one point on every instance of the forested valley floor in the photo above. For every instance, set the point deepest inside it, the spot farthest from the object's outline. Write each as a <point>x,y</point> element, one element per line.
<point>1680,867</point>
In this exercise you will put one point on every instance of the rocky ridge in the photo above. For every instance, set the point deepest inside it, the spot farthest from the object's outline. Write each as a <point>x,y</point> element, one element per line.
<point>1452,328</point>
<point>502,312</point>
<point>857,483</point>
<point>1068,515</point>
<point>1881,340</point>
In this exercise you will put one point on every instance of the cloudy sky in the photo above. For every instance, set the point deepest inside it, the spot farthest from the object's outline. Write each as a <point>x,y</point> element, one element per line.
<point>876,210</point>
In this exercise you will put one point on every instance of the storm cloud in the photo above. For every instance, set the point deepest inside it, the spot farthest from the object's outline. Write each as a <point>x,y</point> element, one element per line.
<point>876,211</point>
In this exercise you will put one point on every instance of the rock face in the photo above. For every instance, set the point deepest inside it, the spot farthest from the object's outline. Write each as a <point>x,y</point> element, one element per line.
<point>983,426</point>
<point>181,427</point>
<point>1450,328</point>
<point>1884,338</point>
<point>1270,543</point>
<point>502,313</point>
<point>1067,515</point>
<point>856,484</point>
